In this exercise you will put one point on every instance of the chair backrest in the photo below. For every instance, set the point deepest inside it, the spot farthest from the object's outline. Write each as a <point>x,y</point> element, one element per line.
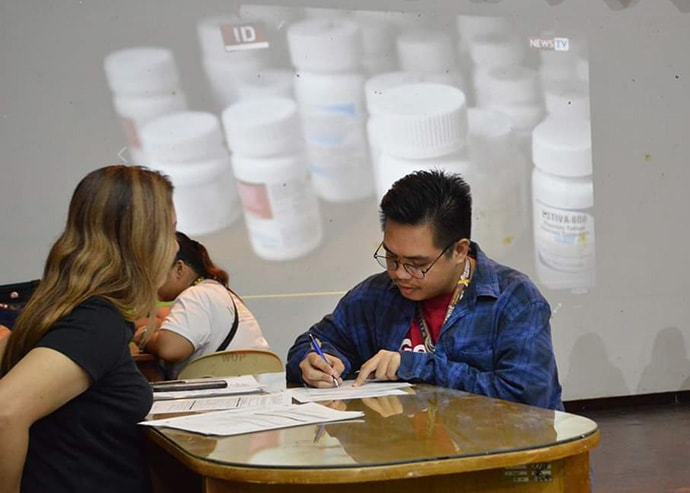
<point>233,363</point>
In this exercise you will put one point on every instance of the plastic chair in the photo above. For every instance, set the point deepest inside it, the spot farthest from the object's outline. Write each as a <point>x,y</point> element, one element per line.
<point>233,363</point>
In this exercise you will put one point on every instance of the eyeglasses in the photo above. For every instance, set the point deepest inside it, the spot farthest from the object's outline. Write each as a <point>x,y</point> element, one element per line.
<point>416,271</point>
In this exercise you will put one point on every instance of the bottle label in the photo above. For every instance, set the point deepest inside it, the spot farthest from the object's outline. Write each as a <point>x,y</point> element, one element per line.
<point>248,36</point>
<point>254,198</point>
<point>333,126</point>
<point>280,215</point>
<point>564,238</point>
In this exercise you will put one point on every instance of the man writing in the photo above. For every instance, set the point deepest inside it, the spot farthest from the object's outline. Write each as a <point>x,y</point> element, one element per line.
<point>442,313</point>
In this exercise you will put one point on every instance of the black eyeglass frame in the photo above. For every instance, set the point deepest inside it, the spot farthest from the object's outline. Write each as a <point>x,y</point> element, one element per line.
<point>383,260</point>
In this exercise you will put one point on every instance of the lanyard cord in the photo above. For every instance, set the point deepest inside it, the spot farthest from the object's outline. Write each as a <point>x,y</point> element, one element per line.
<point>458,293</point>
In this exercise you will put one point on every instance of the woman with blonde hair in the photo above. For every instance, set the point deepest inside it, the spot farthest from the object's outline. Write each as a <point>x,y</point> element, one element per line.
<point>71,393</point>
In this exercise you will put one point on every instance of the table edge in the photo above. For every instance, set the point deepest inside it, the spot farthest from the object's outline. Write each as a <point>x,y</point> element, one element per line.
<point>359,474</point>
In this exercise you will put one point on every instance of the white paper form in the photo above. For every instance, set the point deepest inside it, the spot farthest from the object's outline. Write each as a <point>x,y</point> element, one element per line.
<point>244,384</point>
<point>216,403</point>
<point>239,421</point>
<point>347,391</point>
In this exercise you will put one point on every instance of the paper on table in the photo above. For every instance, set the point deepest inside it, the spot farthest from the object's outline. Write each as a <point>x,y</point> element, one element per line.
<point>347,391</point>
<point>244,384</point>
<point>216,403</point>
<point>238,421</point>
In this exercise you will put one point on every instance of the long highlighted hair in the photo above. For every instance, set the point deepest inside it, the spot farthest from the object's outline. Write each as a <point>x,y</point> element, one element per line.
<point>118,243</point>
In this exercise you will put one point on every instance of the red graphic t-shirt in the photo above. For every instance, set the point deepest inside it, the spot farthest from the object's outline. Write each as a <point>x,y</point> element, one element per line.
<point>434,312</point>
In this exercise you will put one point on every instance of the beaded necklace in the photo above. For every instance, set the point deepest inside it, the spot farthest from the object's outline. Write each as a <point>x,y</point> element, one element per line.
<point>458,293</point>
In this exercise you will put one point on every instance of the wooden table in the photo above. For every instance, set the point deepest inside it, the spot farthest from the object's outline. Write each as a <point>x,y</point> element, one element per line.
<point>432,440</point>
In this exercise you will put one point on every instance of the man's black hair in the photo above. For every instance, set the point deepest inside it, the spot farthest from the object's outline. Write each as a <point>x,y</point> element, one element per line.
<point>441,200</point>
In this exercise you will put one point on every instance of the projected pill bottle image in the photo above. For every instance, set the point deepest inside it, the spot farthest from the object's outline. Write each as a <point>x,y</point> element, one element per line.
<point>562,204</point>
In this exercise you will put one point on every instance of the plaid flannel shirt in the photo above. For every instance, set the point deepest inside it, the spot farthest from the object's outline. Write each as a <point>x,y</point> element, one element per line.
<point>497,342</point>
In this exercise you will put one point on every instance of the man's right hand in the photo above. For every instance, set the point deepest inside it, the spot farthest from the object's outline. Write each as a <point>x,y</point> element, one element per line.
<point>316,373</point>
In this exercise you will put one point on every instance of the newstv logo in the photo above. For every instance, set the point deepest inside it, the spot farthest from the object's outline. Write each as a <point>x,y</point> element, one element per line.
<point>550,44</point>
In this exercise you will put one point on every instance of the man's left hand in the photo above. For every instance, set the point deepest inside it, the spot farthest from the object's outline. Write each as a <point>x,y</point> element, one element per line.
<point>382,366</point>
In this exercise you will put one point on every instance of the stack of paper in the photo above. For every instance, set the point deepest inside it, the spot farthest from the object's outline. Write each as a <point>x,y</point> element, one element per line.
<point>238,421</point>
<point>202,404</point>
<point>347,391</point>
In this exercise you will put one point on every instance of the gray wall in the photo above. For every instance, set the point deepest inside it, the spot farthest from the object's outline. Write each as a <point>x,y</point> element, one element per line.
<point>627,335</point>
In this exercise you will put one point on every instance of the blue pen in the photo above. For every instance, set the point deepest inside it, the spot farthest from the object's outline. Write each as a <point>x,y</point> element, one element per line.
<point>317,348</point>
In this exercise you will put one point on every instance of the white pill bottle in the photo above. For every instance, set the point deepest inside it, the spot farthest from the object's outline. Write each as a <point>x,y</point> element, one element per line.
<point>188,146</point>
<point>329,88</point>
<point>562,204</point>
<point>500,198</point>
<point>269,162</point>
<point>423,126</point>
<point>145,85</point>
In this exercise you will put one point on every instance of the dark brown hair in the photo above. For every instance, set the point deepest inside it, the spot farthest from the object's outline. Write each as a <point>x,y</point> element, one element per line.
<point>195,255</point>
